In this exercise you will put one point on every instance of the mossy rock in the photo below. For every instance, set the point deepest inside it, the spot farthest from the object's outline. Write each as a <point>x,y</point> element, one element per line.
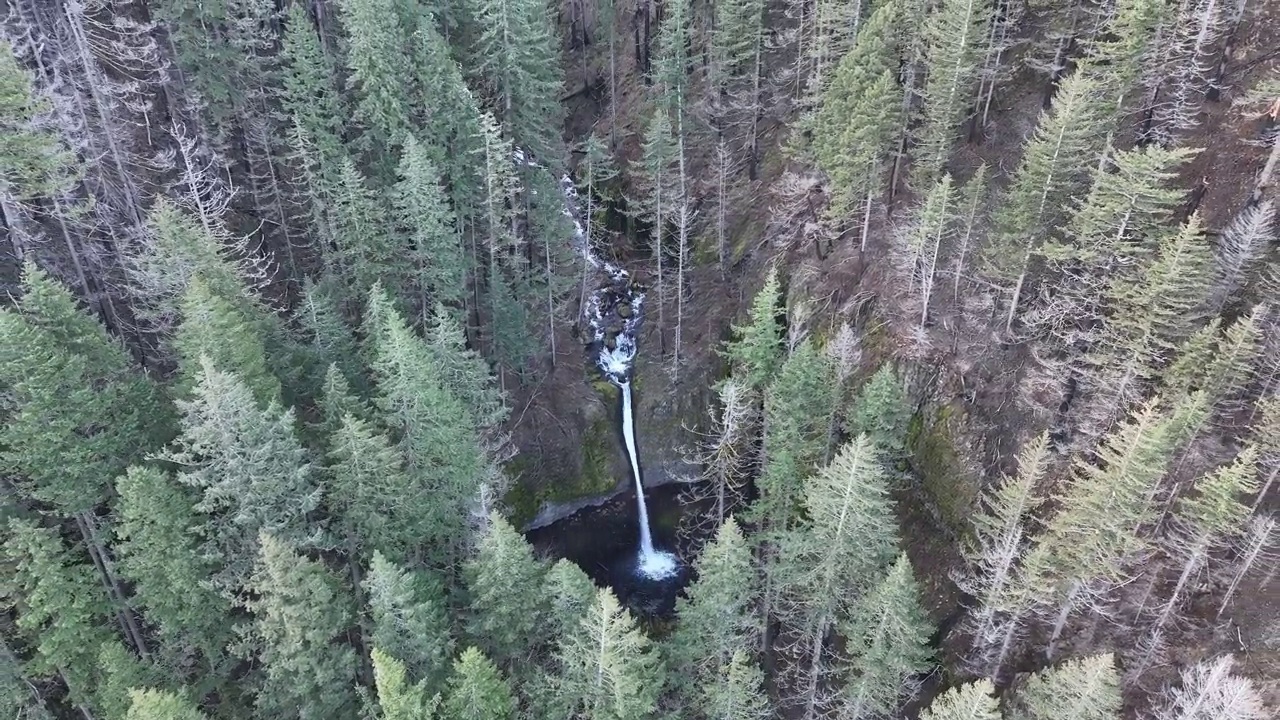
<point>595,477</point>
<point>946,480</point>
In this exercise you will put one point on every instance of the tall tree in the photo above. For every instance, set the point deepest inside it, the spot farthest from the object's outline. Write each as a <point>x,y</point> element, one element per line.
<point>378,60</point>
<point>249,469</point>
<point>477,690</point>
<point>1081,689</point>
<point>756,348</point>
<point>1210,689</point>
<point>308,85</point>
<point>409,619</point>
<point>504,583</point>
<point>148,704</point>
<point>302,613</point>
<point>216,329</point>
<point>397,698</point>
<point>923,243</point>
<point>424,216</point>
<point>973,701</point>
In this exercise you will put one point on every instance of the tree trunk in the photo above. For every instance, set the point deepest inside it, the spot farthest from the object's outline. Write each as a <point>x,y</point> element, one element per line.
<point>97,552</point>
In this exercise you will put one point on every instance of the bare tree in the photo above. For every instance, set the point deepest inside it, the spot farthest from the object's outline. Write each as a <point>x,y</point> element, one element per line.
<point>1209,691</point>
<point>1253,550</point>
<point>1241,247</point>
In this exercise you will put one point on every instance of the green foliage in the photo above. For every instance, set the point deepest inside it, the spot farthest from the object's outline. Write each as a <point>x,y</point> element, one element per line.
<point>571,594</point>
<point>504,583</point>
<point>756,350</point>
<point>1081,689</point>
<point>366,252</point>
<point>715,618</point>
<point>737,691</point>
<point>410,619</point>
<point>955,33</point>
<point>881,411</point>
<point>302,613</point>
<point>308,87</point>
<point>888,642</point>
<point>34,161</point>
<point>973,701</point>
<point>424,216</point>
<point>62,609</point>
<point>324,332</point>
<point>464,371</point>
<point>215,329</point>
<point>856,127</point>
<point>159,554</point>
<point>397,699</point>
<point>477,690</point>
<point>249,469</point>
<point>161,705</point>
<point>379,65</point>
<point>119,673</point>
<point>607,669</point>
<point>78,413</point>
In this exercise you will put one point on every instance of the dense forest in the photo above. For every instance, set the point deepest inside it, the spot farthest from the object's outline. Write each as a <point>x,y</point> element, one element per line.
<point>959,313</point>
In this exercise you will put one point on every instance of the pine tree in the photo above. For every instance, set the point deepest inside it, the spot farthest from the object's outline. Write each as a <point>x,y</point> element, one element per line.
<point>61,608</point>
<point>336,401</point>
<point>397,699</point>
<point>19,698</point>
<point>659,196</point>
<point>571,594</point>
<point>79,413</point>
<point>366,251</point>
<point>1209,689</point>
<point>322,329</point>
<point>924,240</point>
<point>410,620</point>
<point>161,705</point>
<point>954,33</point>
<point>425,218</point>
<point>477,690</point>
<point>1103,505</point>
<point>249,470</point>
<point>120,671</point>
<point>973,701</point>
<point>826,568</point>
<point>717,617</point>
<point>214,328</point>
<point>302,614</point>
<point>856,127</point>
<point>1055,165</point>
<point>888,642</point>
<point>756,350</point>
<point>436,433</point>
<point>465,372</point>
<point>972,199</point>
<point>504,582</point>
<point>308,90</point>
<point>517,54</point>
<point>881,411</point>
<point>737,692</point>
<point>607,668</point>
<point>160,556</point>
<point>377,57</point>
<point>1080,689</point>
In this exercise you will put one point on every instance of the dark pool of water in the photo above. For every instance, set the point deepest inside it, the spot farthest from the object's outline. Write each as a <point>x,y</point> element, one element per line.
<point>604,541</point>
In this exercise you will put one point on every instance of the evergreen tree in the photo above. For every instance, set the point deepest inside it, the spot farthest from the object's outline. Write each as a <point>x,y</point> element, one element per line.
<point>923,242</point>
<point>160,556</point>
<point>436,432</point>
<point>504,583</point>
<point>477,690</point>
<point>61,608</point>
<point>517,53</point>
<point>1056,164</point>
<point>424,216</point>
<point>607,668</point>
<point>716,619</point>
<point>973,701</point>
<point>119,673</point>
<point>302,614</point>
<point>737,692</point>
<point>1209,689</point>
<point>249,470</point>
<point>376,504</point>
<point>214,328</point>
<point>888,641</point>
<point>657,200</point>
<point>410,619</point>
<point>366,251</point>
<point>78,413</point>
<point>322,329</point>
<point>336,402</point>
<point>161,705</point>
<point>19,698</point>
<point>308,90</point>
<point>465,372</point>
<point>756,350</point>
<point>379,65</point>
<point>881,412</point>
<point>954,33</point>
<point>397,699</point>
<point>1080,689</point>
<point>856,127</point>
<point>571,594</point>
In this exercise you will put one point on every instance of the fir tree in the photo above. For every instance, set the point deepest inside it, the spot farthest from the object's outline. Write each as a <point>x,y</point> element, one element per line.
<point>737,692</point>
<point>120,671</point>
<point>465,372</point>
<point>214,328</point>
<point>930,231</point>
<point>336,402</point>
<point>366,252</point>
<point>249,470</point>
<point>888,641</point>
<point>756,350</point>
<point>397,699</point>
<point>159,554</point>
<point>78,413</point>
<point>379,64</point>
<point>607,668</point>
<point>717,617</point>
<point>973,701</point>
<point>425,218</point>
<point>410,620</point>
<point>61,608</point>
<point>658,197</point>
<point>954,33</point>
<point>322,329</point>
<point>856,127</point>
<point>1080,689</point>
<point>881,412</point>
<point>477,690</point>
<point>571,594</point>
<point>504,582</point>
<point>308,92</point>
<point>301,617</point>
<point>161,705</point>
